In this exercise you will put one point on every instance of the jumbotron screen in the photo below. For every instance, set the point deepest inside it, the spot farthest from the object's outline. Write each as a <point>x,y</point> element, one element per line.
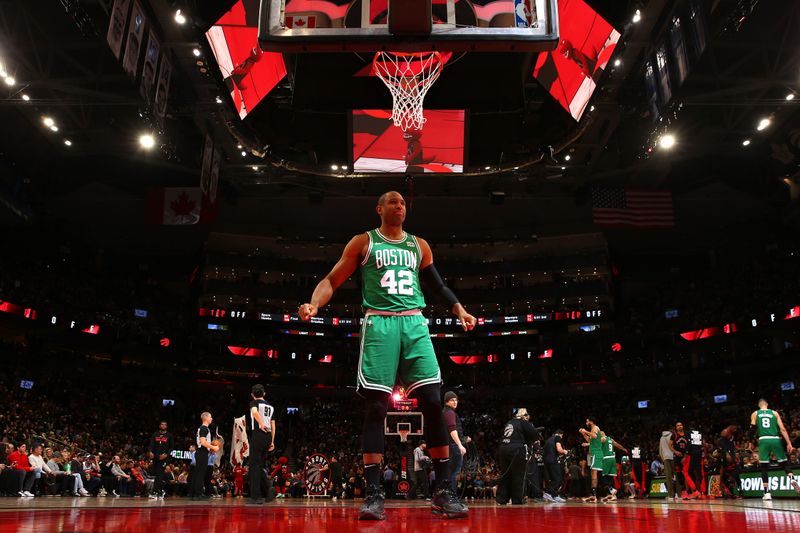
<point>381,147</point>
<point>249,73</point>
<point>571,72</point>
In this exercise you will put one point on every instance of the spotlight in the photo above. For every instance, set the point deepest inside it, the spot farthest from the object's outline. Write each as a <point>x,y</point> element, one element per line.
<point>147,141</point>
<point>218,100</point>
<point>790,97</point>
<point>344,167</point>
<point>180,18</point>
<point>563,168</point>
<point>239,146</point>
<point>617,62</point>
<point>666,141</point>
<point>254,167</point>
<point>26,97</point>
<point>244,154</point>
<point>763,124</point>
<point>567,157</point>
<point>746,142</point>
<point>637,16</point>
<point>10,81</point>
<point>487,168</point>
<point>67,142</point>
<point>334,167</point>
<point>196,52</point>
<point>48,121</point>
<point>53,128</point>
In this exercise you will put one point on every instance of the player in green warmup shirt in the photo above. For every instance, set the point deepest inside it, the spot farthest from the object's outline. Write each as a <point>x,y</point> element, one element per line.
<point>593,436</point>
<point>395,342</point>
<point>610,465</point>
<point>767,424</point>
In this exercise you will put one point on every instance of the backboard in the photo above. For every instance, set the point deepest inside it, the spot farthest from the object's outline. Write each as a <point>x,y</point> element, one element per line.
<point>410,421</point>
<point>362,26</point>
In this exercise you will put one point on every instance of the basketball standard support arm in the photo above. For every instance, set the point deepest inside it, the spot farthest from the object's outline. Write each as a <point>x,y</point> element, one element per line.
<point>432,281</point>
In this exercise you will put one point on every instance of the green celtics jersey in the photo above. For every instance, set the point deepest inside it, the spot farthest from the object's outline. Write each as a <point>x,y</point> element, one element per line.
<point>608,447</point>
<point>390,274</point>
<point>595,445</point>
<point>767,423</point>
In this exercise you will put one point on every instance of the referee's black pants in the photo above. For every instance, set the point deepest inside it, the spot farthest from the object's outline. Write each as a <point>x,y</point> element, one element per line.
<point>199,473</point>
<point>512,465</point>
<point>258,441</point>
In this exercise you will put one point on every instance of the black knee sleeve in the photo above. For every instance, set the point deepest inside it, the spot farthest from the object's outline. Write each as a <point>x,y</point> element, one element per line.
<point>376,406</point>
<point>764,467</point>
<point>431,406</point>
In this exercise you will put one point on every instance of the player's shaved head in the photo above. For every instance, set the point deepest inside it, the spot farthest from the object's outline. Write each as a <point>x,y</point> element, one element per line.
<point>385,196</point>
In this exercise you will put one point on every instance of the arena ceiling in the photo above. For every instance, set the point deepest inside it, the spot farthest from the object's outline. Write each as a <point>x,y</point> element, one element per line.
<point>59,57</point>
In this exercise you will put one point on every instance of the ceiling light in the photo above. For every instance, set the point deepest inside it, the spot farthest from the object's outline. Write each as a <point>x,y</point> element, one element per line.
<point>218,100</point>
<point>244,154</point>
<point>53,128</point>
<point>516,168</point>
<point>239,146</point>
<point>487,168</point>
<point>48,121</point>
<point>666,141</point>
<point>10,81</point>
<point>334,167</point>
<point>567,157</point>
<point>763,124</point>
<point>790,97</point>
<point>180,18</point>
<point>344,167</point>
<point>67,142</point>
<point>254,167</point>
<point>746,142</point>
<point>147,141</point>
<point>617,62</point>
<point>196,52</point>
<point>563,168</point>
<point>637,16</point>
<point>26,97</point>
<point>591,108</point>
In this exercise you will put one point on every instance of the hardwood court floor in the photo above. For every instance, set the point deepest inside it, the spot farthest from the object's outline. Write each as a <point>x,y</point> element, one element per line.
<point>231,515</point>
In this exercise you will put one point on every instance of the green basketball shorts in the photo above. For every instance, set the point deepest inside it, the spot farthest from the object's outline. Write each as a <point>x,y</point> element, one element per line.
<point>596,461</point>
<point>767,445</point>
<point>610,466</point>
<point>396,349</point>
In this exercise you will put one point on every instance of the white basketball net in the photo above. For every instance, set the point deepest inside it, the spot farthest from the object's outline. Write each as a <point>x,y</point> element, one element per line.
<point>408,77</point>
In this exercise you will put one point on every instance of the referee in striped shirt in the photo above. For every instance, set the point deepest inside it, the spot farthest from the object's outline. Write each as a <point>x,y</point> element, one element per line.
<point>261,437</point>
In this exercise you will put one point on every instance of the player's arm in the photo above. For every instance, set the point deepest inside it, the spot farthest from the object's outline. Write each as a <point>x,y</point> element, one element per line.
<point>343,269</point>
<point>272,444</point>
<point>784,432</point>
<point>257,417</point>
<point>432,281</point>
<point>619,446</point>
<point>560,449</point>
<point>753,426</point>
<point>602,437</point>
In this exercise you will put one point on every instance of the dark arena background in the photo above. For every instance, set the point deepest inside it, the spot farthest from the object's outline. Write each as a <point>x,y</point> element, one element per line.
<point>610,190</point>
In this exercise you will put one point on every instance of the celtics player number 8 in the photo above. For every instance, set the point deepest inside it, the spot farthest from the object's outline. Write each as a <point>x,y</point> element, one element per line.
<point>393,286</point>
<point>766,422</point>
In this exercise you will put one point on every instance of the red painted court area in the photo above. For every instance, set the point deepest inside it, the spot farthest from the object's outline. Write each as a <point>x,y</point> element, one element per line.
<point>137,516</point>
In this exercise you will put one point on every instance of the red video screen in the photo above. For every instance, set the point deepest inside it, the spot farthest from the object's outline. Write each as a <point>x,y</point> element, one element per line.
<point>249,73</point>
<point>572,70</point>
<point>381,147</point>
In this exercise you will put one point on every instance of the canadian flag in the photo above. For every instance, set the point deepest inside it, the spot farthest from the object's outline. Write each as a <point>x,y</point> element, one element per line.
<point>173,206</point>
<point>301,22</point>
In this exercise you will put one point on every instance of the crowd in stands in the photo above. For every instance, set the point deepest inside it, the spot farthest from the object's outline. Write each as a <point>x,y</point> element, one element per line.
<point>91,440</point>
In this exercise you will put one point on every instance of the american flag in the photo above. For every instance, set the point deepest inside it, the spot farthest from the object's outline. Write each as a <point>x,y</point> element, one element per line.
<point>643,209</point>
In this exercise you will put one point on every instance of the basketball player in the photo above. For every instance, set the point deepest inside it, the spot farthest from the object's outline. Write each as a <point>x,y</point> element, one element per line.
<point>161,445</point>
<point>767,423</point>
<point>592,434</point>
<point>395,342</point>
<point>261,438</point>
<point>610,465</point>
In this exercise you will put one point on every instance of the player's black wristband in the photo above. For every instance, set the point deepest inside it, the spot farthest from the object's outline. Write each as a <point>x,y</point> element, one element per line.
<point>432,281</point>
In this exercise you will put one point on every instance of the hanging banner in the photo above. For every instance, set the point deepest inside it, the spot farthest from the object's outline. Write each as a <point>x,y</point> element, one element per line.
<point>147,87</point>
<point>116,26</point>
<point>133,46</point>
<point>162,89</point>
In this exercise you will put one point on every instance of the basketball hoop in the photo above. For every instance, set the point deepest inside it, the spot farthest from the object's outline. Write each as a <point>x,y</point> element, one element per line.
<point>403,434</point>
<point>408,75</point>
